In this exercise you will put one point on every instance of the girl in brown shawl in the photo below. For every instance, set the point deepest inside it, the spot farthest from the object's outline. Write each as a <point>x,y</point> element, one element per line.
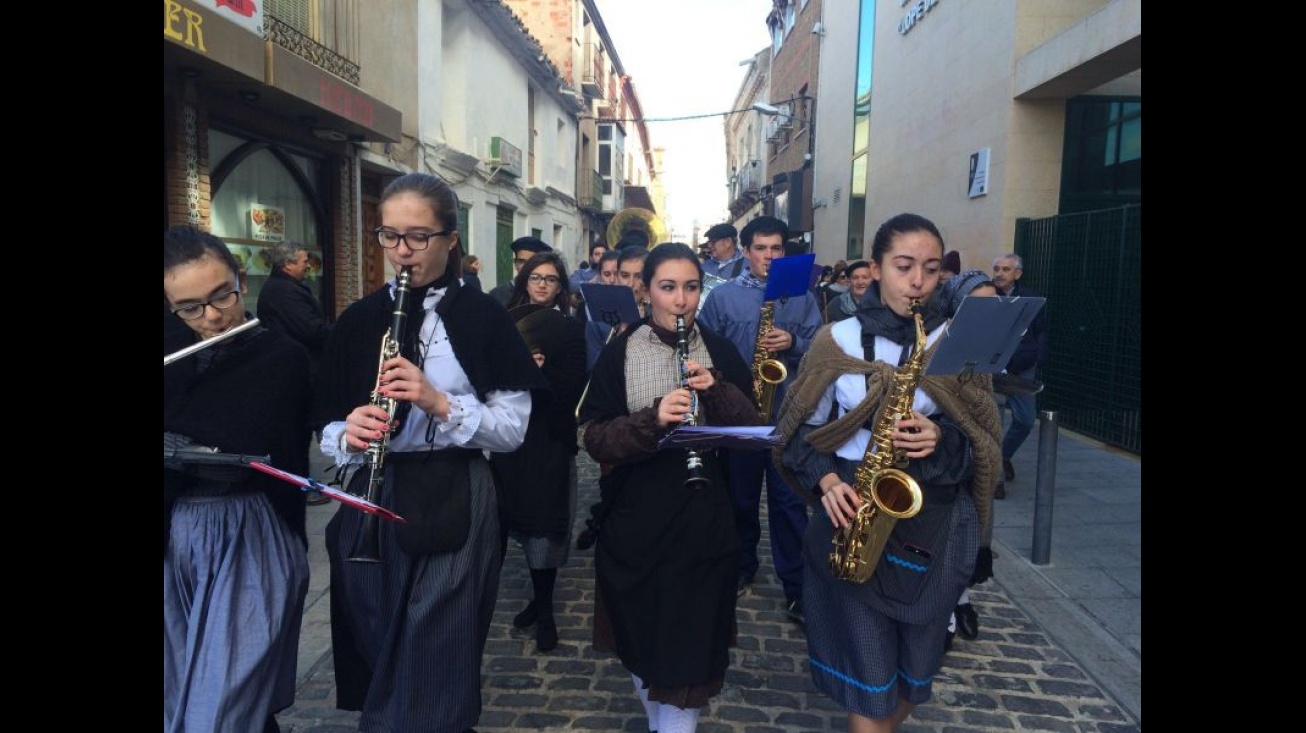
<point>875,646</point>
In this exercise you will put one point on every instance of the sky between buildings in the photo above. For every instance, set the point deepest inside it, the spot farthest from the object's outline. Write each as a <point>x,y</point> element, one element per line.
<point>684,58</point>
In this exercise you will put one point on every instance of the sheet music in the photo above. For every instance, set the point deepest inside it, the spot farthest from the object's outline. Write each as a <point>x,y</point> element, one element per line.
<point>983,335</point>
<point>743,437</point>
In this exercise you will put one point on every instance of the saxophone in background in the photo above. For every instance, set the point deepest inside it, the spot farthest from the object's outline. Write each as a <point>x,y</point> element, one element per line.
<point>887,492</point>
<point>767,370</point>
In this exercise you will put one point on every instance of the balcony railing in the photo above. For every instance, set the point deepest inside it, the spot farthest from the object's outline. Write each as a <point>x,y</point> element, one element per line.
<point>591,78</point>
<point>289,38</point>
<point>589,190</point>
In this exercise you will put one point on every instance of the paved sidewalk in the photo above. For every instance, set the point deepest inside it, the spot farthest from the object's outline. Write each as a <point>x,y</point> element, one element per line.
<point>1059,646</point>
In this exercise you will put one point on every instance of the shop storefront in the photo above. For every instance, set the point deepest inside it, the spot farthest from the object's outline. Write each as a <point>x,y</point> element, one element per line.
<point>260,144</point>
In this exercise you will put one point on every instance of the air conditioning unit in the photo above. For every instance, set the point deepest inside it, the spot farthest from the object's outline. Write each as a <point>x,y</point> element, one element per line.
<point>505,158</point>
<point>775,131</point>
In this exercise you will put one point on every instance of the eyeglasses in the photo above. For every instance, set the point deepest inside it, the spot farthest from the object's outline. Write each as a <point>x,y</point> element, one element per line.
<point>195,310</point>
<point>419,240</point>
<point>550,279</point>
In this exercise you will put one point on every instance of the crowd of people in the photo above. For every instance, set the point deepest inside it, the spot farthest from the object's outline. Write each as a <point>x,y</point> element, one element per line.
<point>469,426</point>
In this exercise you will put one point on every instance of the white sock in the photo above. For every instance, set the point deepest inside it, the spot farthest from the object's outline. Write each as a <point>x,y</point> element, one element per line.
<point>650,708</point>
<point>965,597</point>
<point>672,719</point>
<point>952,623</point>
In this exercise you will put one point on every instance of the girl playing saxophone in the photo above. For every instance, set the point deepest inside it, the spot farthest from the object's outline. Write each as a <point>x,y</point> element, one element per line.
<point>949,439</point>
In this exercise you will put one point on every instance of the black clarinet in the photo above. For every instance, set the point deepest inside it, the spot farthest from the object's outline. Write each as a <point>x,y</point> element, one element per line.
<point>367,545</point>
<point>693,462</point>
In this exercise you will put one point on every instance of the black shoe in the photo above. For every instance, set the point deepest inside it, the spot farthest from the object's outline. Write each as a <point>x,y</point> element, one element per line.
<point>742,586</point>
<point>1008,472</point>
<point>546,634</point>
<point>795,611</point>
<point>947,641</point>
<point>527,617</point>
<point>967,621</point>
<point>1001,491</point>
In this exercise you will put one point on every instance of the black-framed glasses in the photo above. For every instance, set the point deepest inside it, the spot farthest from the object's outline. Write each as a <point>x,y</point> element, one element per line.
<point>416,241</point>
<point>536,279</point>
<point>222,301</point>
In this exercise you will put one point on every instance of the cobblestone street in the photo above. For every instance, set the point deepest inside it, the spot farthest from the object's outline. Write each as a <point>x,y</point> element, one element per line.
<point>1012,678</point>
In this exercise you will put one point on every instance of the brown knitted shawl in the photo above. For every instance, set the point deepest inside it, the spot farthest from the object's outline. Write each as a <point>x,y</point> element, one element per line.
<point>967,400</point>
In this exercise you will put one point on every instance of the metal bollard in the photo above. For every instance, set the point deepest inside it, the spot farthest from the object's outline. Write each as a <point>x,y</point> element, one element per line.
<point>1045,487</point>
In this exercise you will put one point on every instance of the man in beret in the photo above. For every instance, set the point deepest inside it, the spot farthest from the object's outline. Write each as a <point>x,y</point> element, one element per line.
<point>523,248</point>
<point>725,260</point>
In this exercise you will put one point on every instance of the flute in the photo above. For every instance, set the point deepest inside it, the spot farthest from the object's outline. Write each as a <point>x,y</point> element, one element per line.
<point>206,343</point>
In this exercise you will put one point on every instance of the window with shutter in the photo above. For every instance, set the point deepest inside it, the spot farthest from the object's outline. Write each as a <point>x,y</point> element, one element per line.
<point>294,13</point>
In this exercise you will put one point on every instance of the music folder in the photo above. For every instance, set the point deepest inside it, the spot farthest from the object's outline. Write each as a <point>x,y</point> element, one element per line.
<point>983,335</point>
<point>610,304</point>
<point>739,437</point>
<point>789,276</point>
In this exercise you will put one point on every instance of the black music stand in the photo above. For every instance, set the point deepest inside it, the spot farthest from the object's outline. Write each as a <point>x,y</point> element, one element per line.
<point>789,276</point>
<point>610,304</point>
<point>983,335</point>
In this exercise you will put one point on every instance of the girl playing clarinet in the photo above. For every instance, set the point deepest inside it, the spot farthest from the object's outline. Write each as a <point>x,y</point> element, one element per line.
<point>667,553</point>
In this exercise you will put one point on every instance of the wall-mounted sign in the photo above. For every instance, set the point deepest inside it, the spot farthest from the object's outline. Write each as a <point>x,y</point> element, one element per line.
<point>978,182</point>
<point>915,13</point>
<point>266,223</point>
<point>245,13</point>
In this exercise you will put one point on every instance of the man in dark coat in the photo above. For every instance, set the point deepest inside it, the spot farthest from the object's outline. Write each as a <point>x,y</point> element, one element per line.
<point>286,303</point>
<point>1030,353</point>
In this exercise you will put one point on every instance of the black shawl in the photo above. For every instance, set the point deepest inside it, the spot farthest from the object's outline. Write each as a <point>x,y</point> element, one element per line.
<point>248,395</point>
<point>667,556</point>
<point>533,482</point>
<point>482,335</point>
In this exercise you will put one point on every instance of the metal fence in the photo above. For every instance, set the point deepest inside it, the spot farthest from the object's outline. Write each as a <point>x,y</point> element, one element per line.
<point>1089,265</point>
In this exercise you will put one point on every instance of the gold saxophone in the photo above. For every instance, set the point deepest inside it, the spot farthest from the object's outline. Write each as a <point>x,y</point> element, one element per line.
<point>887,492</point>
<point>767,371</point>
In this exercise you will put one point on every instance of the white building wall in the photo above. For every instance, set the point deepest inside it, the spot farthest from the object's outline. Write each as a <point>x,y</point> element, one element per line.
<point>831,174</point>
<point>947,88</point>
<point>470,89</point>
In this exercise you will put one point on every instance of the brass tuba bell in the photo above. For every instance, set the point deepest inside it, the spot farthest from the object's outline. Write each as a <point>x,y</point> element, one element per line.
<point>636,220</point>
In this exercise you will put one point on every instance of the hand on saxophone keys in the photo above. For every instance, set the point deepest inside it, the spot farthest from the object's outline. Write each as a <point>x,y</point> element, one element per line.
<point>778,340</point>
<point>917,435</point>
<point>839,499</point>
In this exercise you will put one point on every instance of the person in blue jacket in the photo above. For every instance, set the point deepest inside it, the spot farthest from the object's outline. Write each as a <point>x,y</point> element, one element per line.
<point>734,310</point>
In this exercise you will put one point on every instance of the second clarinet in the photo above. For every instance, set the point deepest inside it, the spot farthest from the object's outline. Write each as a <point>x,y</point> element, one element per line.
<point>694,462</point>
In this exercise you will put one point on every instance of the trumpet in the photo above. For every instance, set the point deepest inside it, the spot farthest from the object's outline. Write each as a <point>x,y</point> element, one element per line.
<point>694,462</point>
<point>367,545</point>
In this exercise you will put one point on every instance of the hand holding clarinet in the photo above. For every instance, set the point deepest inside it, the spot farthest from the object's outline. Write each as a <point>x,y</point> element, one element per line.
<point>693,379</point>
